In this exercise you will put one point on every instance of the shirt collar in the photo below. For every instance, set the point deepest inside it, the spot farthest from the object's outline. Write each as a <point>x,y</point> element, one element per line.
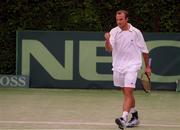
<point>131,28</point>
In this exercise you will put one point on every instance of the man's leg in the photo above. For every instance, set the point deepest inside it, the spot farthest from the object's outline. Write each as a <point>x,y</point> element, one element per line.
<point>133,104</point>
<point>127,105</point>
<point>128,101</point>
<point>130,80</point>
<point>134,119</point>
<point>133,110</point>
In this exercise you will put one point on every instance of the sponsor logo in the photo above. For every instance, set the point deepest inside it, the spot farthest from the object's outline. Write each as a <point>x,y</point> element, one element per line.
<point>13,81</point>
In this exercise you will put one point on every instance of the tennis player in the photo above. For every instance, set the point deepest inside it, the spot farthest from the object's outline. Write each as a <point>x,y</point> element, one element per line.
<point>127,46</point>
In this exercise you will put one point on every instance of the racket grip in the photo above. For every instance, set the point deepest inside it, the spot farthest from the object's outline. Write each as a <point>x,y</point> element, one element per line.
<point>149,62</point>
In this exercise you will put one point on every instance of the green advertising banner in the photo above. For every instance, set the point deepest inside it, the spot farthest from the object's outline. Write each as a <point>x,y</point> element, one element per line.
<point>78,59</point>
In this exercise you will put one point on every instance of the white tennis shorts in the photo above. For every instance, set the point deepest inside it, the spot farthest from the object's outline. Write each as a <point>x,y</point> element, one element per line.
<point>126,79</point>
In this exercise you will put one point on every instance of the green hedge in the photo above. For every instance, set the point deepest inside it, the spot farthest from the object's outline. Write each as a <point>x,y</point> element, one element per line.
<point>79,15</point>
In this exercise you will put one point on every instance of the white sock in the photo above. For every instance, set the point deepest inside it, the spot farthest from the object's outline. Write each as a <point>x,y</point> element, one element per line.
<point>133,110</point>
<point>125,115</point>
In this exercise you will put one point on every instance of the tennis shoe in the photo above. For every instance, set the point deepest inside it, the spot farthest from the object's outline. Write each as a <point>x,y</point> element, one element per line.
<point>121,123</point>
<point>132,123</point>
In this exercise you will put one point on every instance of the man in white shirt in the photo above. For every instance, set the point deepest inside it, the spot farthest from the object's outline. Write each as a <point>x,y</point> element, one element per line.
<point>127,46</point>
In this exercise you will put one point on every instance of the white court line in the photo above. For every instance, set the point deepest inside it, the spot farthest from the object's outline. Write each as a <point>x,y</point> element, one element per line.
<point>83,123</point>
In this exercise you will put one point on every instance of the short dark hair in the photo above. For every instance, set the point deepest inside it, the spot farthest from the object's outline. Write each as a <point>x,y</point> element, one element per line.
<point>124,12</point>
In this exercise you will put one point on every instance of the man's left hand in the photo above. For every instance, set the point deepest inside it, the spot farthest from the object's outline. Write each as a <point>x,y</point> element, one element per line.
<point>148,71</point>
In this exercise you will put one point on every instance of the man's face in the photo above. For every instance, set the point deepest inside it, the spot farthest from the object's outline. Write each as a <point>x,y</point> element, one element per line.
<point>121,20</point>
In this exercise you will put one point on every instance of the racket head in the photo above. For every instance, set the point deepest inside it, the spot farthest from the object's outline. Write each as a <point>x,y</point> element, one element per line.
<point>146,82</point>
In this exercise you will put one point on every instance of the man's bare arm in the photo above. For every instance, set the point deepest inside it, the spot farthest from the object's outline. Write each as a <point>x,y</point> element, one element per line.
<point>146,61</point>
<point>108,46</point>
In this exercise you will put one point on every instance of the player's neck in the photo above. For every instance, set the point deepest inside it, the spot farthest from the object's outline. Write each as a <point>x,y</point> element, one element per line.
<point>126,27</point>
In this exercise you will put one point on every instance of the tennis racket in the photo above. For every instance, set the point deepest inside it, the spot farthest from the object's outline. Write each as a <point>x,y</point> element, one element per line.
<point>146,81</point>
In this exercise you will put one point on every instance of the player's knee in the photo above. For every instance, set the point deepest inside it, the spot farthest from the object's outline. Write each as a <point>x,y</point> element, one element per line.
<point>128,92</point>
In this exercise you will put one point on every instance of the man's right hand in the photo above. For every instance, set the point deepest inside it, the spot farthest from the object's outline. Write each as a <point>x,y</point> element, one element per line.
<point>107,35</point>
<point>107,43</point>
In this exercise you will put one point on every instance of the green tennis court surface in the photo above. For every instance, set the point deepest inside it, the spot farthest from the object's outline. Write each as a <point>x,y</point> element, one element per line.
<point>84,109</point>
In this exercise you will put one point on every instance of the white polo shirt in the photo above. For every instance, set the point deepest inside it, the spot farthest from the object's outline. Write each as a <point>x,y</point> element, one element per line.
<point>127,49</point>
